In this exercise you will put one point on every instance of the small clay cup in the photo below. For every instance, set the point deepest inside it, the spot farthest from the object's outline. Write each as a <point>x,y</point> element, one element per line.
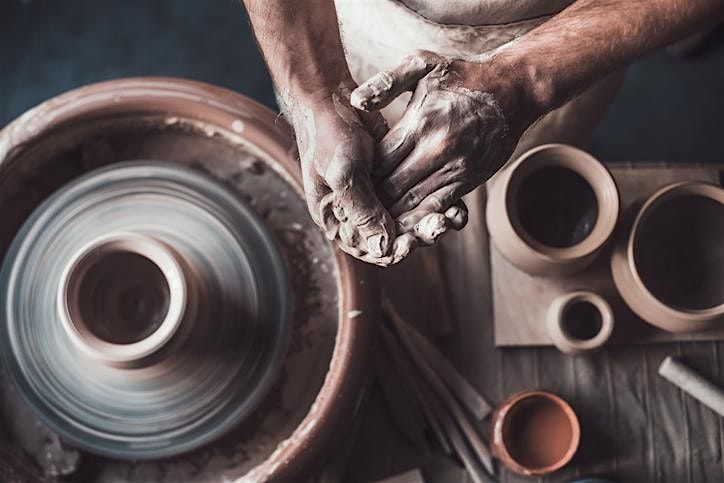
<point>552,210</point>
<point>580,321</point>
<point>152,280</point>
<point>669,267</point>
<point>535,433</point>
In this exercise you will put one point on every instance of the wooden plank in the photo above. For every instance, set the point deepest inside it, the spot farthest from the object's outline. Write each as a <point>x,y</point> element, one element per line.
<point>520,301</point>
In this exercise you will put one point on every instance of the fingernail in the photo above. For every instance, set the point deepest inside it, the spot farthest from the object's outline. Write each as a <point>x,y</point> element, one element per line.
<point>376,245</point>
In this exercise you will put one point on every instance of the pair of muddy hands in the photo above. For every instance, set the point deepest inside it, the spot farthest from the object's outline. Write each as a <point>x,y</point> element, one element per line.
<point>381,193</point>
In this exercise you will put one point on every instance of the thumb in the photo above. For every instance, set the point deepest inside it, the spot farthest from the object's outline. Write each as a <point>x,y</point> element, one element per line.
<point>383,87</point>
<point>357,204</point>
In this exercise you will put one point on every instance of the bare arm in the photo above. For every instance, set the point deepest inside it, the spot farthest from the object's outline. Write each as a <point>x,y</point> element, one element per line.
<point>428,162</point>
<point>301,44</point>
<point>302,47</point>
<point>593,38</point>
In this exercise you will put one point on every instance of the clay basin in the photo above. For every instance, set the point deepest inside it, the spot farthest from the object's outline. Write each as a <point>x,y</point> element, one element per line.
<point>535,433</point>
<point>552,210</point>
<point>669,268</point>
<point>247,148</point>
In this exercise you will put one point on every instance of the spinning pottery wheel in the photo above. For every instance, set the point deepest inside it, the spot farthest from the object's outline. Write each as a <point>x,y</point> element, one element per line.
<point>235,333</point>
<point>145,310</point>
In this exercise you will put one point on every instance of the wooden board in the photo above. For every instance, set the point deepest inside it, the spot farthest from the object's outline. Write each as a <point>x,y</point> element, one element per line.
<point>520,301</point>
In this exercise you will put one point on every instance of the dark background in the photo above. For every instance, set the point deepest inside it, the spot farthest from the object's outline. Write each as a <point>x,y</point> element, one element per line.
<point>669,110</point>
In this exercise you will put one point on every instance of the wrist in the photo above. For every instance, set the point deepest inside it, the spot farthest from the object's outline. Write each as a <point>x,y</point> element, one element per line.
<point>318,93</point>
<point>536,90</point>
<point>320,103</point>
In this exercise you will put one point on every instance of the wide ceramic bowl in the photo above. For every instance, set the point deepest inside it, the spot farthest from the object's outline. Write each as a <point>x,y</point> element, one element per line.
<point>669,264</point>
<point>249,149</point>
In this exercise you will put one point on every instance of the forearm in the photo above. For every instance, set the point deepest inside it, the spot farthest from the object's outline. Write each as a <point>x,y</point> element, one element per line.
<point>301,44</point>
<point>593,38</point>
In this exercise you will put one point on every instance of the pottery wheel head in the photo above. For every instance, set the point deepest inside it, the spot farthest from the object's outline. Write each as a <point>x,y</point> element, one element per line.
<point>144,310</point>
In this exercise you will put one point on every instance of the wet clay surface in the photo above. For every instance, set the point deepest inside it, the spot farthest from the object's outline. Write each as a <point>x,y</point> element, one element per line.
<point>538,433</point>
<point>28,179</point>
<point>124,309</point>
<point>679,252</point>
<point>556,206</point>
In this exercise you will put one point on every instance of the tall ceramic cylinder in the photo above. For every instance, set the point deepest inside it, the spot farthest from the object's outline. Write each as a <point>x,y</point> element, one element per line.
<point>669,266</point>
<point>552,210</point>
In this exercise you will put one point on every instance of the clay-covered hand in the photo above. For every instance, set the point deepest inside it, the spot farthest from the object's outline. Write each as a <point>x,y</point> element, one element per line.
<point>336,148</point>
<point>454,134</point>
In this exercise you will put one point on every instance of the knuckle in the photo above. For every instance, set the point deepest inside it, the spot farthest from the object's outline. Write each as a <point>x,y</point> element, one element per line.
<point>339,176</point>
<point>421,54</point>
<point>412,198</point>
<point>435,203</point>
<point>365,218</point>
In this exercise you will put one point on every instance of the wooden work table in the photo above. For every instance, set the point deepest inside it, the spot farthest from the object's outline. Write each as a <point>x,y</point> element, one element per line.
<point>636,427</point>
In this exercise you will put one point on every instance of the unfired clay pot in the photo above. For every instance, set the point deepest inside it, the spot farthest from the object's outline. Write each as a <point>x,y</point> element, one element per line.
<point>551,211</point>
<point>579,321</point>
<point>535,433</point>
<point>250,149</point>
<point>669,266</point>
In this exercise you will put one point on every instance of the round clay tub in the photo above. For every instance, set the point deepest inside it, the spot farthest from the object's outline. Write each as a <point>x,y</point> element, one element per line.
<point>552,210</point>
<point>669,267</point>
<point>250,149</point>
<point>580,321</point>
<point>535,433</point>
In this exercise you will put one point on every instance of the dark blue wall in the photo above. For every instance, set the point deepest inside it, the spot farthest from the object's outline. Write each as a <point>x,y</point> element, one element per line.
<point>668,110</point>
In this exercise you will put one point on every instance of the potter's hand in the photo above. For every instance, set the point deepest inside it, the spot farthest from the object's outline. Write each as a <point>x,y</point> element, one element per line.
<point>454,134</point>
<point>336,147</point>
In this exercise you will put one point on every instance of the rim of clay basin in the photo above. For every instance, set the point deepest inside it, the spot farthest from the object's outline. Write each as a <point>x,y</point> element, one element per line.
<point>246,121</point>
<point>501,420</point>
<point>628,279</point>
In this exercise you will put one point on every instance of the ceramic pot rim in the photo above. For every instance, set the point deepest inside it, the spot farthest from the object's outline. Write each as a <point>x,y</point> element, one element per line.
<point>604,309</point>
<point>83,337</point>
<point>501,421</point>
<point>668,192</point>
<point>246,122</point>
<point>592,171</point>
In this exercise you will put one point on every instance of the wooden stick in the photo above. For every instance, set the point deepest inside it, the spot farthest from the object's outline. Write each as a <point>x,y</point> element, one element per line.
<point>462,389</point>
<point>693,383</point>
<point>446,396</point>
<point>452,432</point>
<point>406,416</point>
<point>417,387</point>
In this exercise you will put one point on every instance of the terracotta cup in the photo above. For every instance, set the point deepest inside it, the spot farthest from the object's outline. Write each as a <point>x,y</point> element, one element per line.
<point>535,433</point>
<point>579,321</point>
<point>552,210</point>
<point>669,267</point>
